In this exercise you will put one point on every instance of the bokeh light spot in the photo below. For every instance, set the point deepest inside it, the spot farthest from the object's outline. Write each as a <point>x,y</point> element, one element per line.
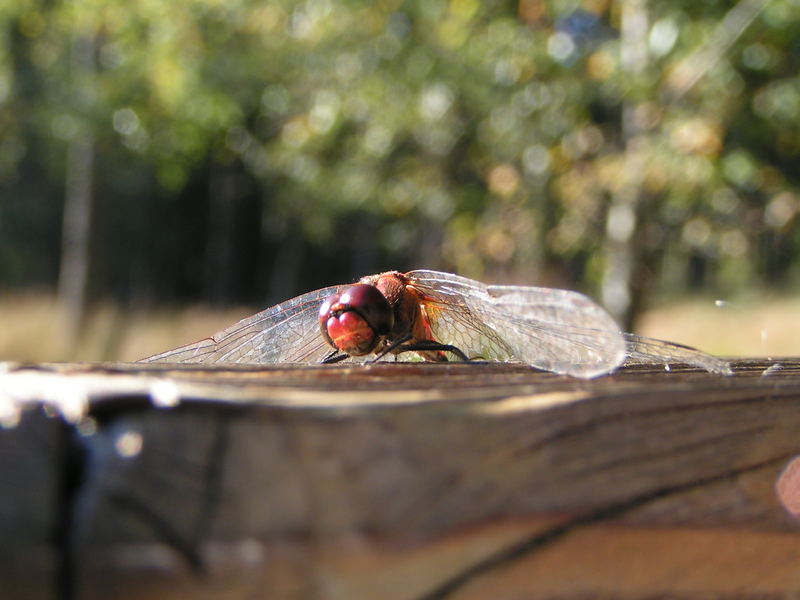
<point>503,180</point>
<point>788,487</point>
<point>129,444</point>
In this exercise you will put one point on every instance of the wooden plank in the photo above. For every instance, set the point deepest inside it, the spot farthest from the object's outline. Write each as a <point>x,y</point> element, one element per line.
<point>412,480</point>
<point>31,532</point>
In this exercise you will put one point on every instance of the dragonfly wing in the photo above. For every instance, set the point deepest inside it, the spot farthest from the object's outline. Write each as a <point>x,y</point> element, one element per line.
<point>556,330</point>
<point>453,318</point>
<point>287,332</point>
<point>650,350</point>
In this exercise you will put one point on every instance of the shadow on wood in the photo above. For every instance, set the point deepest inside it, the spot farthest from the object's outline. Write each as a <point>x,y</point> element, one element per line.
<point>397,481</point>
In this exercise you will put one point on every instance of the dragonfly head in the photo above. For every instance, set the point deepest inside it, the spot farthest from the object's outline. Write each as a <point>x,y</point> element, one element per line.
<point>356,320</point>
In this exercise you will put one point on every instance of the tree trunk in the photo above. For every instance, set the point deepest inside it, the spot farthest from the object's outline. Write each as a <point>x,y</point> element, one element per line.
<point>73,275</point>
<point>623,248</point>
<point>621,222</point>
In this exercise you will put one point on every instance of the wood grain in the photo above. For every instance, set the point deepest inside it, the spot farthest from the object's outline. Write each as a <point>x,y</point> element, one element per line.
<point>399,481</point>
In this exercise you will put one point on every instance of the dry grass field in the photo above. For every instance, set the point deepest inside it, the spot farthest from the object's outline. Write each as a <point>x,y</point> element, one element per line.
<point>30,329</point>
<point>757,326</point>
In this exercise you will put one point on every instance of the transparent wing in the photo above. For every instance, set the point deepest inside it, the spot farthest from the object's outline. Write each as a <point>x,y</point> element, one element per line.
<point>647,350</point>
<point>287,332</point>
<point>556,330</point>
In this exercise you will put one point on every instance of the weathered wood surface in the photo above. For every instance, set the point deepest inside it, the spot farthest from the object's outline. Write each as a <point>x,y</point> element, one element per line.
<point>398,481</point>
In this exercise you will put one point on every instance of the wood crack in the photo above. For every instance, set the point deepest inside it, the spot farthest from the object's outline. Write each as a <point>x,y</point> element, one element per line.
<point>162,530</point>
<point>541,540</point>
<point>214,477</point>
<point>72,470</point>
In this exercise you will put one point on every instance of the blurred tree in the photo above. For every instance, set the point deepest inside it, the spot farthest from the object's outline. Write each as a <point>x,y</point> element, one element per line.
<point>73,275</point>
<point>623,249</point>
<point>248,150</point>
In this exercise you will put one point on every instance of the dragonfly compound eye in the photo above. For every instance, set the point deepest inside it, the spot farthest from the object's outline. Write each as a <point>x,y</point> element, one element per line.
<point>355,320</point>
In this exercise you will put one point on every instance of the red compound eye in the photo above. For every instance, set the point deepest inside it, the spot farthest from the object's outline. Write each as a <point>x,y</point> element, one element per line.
<point>355,320</point>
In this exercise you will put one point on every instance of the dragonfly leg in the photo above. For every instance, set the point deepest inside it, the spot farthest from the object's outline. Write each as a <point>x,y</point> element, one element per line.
<point>333,357</point>
<point>435,346</point>
<point>400,345</point>
<point>393,346</point>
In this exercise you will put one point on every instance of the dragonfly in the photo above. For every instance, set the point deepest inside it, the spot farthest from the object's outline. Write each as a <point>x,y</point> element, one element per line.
<point>435,316</point>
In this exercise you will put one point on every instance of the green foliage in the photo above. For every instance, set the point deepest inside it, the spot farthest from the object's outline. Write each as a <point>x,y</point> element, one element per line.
<point>469,135</point>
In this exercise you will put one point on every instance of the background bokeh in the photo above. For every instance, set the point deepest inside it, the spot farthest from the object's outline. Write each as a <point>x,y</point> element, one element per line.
<point>224,156</point>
